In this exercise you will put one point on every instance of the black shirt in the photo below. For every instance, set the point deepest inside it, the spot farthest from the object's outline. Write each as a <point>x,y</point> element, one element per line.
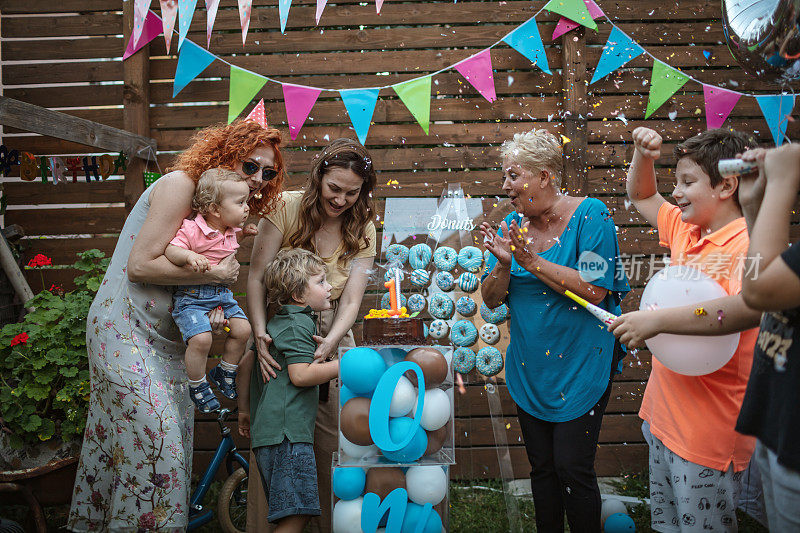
<point>771,407</point>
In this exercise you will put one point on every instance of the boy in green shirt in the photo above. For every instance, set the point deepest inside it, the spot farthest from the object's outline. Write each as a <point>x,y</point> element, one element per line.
<point>284,409</point>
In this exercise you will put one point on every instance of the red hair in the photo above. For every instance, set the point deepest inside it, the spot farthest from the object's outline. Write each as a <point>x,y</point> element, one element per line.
<point>225,145</point>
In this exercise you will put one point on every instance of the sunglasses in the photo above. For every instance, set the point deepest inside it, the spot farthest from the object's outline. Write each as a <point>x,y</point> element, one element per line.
<point>250,168</point>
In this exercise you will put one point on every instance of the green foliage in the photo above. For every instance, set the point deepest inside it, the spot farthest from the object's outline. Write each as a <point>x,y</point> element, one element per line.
<point>44,381</point>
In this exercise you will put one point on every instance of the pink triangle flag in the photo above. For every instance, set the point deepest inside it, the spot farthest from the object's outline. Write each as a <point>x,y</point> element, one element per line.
<point>150,30</point>
<point>211,16</point>
<point>477,70</point>
<point>299,100</point>
<point>320,8</point>
<point>140,9</point>
<point>565,25</point>
<point>719,104</point>
<point>169,12</point>
<point>378,5</point>
<point>245,8</point>
<point>257,115</point>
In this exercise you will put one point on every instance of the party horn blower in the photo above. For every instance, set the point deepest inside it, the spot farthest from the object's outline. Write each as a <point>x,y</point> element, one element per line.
<point>735,167</point>
<point>600,314</point>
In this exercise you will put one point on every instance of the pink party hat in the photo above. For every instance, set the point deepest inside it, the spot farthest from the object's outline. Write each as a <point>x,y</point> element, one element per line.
<point>257,115</point>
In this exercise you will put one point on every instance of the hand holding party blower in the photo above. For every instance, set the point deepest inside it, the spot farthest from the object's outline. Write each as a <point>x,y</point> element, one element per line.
<point>600,314</point>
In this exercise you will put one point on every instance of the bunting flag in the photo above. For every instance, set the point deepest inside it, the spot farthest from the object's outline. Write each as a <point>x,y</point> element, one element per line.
<point>283,12</point>
<point>360,105</point>
<point>299,100</point>
<point>140,9</point>
<point>566,25</point>
<point>527,41</point>
<point>477,70</point>
<point>416,95</point>
<point>574,10</point>
<point>664,82</point>
<point>320,8</point>
<point>244,85</point>
<point>719,104</point>
<point>169,12</point>
<point>245,9</point>
<point>211,16</point>
<point>258,115</point>
<point>776,109</point>
<point>150,30</point>
<point>618,51</point>
<point>192,60</point>
<point>378,6</point>
<point>185,14</point>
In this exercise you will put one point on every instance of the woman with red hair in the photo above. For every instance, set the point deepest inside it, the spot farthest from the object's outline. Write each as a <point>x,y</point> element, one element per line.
<point>135,465</point>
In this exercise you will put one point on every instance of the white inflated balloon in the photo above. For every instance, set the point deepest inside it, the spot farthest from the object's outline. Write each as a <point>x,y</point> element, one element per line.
<point>356,451</point>
<point>436,409</point>
<point>347,516</point>
<point>691,355</point>
<point>611,506</point>
<point>404,398</point>
<point>426,484</point>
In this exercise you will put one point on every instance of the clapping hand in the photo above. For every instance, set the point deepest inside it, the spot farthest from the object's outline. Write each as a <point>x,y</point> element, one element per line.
<point>498,245</point>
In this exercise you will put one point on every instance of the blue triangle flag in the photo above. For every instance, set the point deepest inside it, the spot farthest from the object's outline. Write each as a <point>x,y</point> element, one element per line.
<point>527,41</point>
<point>185,14</point>
<point>360,104</point>
<point>776,109</point>
<point>192,60</point>
<point>619,49</point>
<point>283,12</point>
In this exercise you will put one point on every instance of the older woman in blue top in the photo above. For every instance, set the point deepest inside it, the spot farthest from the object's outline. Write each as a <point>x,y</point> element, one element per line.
<point>559,361</point>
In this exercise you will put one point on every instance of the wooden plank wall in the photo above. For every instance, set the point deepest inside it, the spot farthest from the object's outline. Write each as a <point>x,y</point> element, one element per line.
<point>58,55</point>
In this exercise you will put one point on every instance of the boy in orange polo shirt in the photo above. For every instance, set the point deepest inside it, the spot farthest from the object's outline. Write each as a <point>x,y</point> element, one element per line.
<point>696,456</point>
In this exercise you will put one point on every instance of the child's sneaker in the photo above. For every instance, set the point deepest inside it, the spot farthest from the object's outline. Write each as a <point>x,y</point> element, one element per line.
<point>204,398</point>
<point>225,380</point>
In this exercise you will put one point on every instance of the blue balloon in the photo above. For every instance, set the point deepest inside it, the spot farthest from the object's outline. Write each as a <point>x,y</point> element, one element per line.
<point>360,369</point>
<point>392,355</point>
<point>415,513</point>
<point>346,394</point>
<point>348,483</point>
<point>380,406</point>
<point>398,429</point>
<point>619,523</point>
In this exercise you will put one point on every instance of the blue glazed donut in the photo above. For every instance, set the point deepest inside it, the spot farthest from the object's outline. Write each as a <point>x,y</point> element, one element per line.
<point>470,258</point>
<point>389,275</point>
<point>489,361</point>
<point>468,281</point>
<point>397,253</point>
<point>420,277</point>
<point>445,281</point>
<point>386,304</point>
<point>466,306</point>
<point>438,329</point>
<point>463,360</point>
<point>441,306</point>
<point>420,255</point>
<point>445,258</point>
<point>496,315</point>
<point>463,333</point>
<point>416,303</point>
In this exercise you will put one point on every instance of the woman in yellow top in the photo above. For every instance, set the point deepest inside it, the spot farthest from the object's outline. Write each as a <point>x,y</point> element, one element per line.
<point>332,218</point>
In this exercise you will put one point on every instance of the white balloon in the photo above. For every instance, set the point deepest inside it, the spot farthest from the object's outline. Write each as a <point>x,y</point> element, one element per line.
<point>426,484</point>
<point>347,516</point>
<point>356,451</point>
<point>691,355</point>
<point>436,409</point>
<point>611,506</point>
<point>404,398</point>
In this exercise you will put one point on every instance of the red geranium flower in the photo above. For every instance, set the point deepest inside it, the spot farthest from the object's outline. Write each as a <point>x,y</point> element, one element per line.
<point>22,338</point>
<point>56,288</point>
<point>40,260</point>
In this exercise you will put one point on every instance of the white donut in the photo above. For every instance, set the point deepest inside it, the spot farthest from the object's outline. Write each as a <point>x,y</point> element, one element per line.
<point>438,329</point>
<point>490,333</point>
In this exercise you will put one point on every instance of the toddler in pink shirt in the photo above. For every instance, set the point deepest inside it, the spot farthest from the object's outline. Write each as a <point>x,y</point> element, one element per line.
<point>213,233</point>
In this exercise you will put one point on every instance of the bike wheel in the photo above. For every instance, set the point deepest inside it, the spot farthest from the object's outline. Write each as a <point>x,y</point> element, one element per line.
<point>232,503</point>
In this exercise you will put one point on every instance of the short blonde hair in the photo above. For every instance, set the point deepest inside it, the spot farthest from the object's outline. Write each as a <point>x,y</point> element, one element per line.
<point>209,188</point>
<point>536,150</point>
<point>288,274</point>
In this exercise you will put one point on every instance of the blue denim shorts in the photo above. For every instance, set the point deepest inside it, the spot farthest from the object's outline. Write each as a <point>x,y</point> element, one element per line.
<point>289,474</point>
<point>192,303</point>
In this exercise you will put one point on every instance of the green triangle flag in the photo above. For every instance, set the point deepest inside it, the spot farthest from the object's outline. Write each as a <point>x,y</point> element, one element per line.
<point>664,82</point>
<point>574,10</point>
<point>243,87</point>
<point>416,95</point>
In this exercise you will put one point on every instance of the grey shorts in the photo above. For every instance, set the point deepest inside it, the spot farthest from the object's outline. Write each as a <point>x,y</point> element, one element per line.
<point>289,474</point>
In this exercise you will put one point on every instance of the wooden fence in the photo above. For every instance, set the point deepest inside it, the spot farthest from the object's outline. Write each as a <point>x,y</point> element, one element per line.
<point>66,55</point>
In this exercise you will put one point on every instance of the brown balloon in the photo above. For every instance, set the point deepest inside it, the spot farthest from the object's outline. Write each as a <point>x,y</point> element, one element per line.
<point>355,421</point>
<point>436,439</point>
<point>433,364</point>
<point>383,480</point>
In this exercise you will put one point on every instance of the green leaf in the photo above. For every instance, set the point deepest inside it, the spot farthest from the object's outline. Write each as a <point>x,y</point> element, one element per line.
<point>47,429</point>
<point>37,392</point>
<point>46,375</point>
<point>69,372</point>
<point>33,423</point>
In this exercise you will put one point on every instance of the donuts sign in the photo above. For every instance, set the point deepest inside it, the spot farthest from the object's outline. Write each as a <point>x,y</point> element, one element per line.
<point>440,223</point>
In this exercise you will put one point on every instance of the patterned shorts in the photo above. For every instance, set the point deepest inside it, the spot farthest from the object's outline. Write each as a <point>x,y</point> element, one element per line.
<point>289,473</point>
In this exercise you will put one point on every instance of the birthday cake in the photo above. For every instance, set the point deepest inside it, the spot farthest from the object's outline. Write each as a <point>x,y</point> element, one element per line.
<point>379,329</point>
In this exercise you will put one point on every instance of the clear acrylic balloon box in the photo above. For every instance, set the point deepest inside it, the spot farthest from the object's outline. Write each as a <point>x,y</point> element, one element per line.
<point>365,499</point>
<point>380,422</point>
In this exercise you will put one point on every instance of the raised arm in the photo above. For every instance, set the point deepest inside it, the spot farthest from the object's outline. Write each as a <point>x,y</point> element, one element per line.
<point>494,286</point>
<point>170,203</point>
<point>312,374</point>
<point>641,184</point>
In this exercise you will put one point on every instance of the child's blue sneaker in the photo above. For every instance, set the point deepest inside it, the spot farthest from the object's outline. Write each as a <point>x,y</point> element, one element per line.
<point>225,380</point>
<point>204,398</point>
